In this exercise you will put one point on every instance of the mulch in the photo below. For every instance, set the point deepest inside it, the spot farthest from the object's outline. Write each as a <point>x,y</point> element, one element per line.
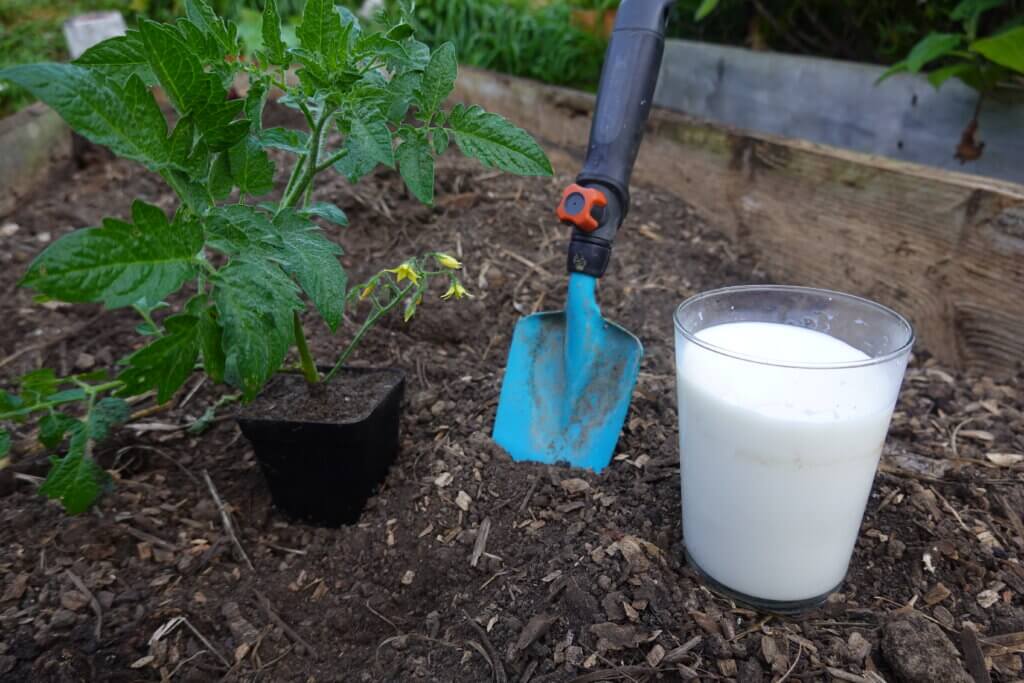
<point>466,566</point>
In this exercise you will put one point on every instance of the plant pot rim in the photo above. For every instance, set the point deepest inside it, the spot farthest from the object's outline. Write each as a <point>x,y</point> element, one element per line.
<point>397,372</point>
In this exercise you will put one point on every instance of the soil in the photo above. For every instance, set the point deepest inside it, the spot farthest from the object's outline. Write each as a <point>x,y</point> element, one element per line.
<point>466,566</point>
<point>350,396</point>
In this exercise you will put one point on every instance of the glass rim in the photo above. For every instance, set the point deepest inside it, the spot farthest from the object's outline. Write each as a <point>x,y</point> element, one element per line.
<point>903,349</point>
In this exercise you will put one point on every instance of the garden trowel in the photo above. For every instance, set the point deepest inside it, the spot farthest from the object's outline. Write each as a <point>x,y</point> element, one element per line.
<point>571,373</point>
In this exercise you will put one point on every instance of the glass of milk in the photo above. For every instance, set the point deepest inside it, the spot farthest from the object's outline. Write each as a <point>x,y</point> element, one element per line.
<point>785,396</point>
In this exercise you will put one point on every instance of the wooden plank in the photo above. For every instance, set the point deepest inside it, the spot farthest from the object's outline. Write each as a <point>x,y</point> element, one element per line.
<point>944,248</point>
<point>35,144</point>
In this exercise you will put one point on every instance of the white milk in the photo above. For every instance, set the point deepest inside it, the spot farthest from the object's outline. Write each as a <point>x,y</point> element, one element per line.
<point>777,462</point>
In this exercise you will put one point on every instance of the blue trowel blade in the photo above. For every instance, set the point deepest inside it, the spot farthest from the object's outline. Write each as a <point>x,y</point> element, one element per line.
<point>568,383</point>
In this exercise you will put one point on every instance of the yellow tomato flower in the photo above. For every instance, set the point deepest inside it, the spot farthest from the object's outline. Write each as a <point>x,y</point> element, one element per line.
<point>406,272</point>
<point>447,261</point>
<point>456,290</point>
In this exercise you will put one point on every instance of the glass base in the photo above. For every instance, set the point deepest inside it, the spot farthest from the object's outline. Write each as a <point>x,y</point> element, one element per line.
<point>786,608</point>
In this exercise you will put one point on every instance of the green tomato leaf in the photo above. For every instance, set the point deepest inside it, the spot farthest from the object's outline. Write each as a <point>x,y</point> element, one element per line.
<point>10,402</point>
<point>241,230</point>
<point>320,30</point>
<point>125,119</point>
<point>118,58</point>
<point>255,303</point>
<point>930,48</point>
<point>119,264</point>
<point>416,164</point>
<point>312,260</point>
<point>38,386</point>
<point>897,68</point>
<point>439,140</point>
<point>438,79</point>
<point>176,67</point>
<point>53,428</point>
<point>327,211</point>
<point>250,167</point>
<point>271,31</point>
<point>255,101</point>
<point>5,442</point>
<point>166,363</point>
<point>211,337</point>
<point>400,94</point>
<point>289,140</point>
<point>108,413</point>
<point>206,20</point>
<point>368,143</point>
<point>220,182</point>
<point>75,480</point>
<point>1005,49</point>
<point>496,142</point>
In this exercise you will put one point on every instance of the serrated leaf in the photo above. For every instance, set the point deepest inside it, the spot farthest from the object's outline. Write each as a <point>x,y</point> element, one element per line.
<point>312,260</point>
<point>125,119</point>
<point>255,100</point>
<point>119,264</point>
<point>416,165</point>
<point>5,443</point>
<point>10,402</point>
<point>53,428</point>
<point>226,136</point>
<point>166,363</point>
<point>118,58</point>
<point>439,140</point>
<point>177,68</point>
<point>285,138</point>
<point>438,79</point>
<point>367,144</point>
<point>271,32</point>
<point>220,182</point>
<point>320,30</point>
<point>930,48</point>
<point>241,230</point>
<point>255,303</point>
<point>1005,49</point>
<point>211,343</point>
<point>75,480</point>
<point>181,143</point>
<point>37,386</point>
<point>207,21</point>
<point>251,168</point>
<point>108,413</point>
<point>496,142</point>
<point>400,94</point>
<point>327,211</point>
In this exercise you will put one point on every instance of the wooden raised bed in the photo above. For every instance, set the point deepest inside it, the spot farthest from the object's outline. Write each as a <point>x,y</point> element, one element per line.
<point>944,248</point>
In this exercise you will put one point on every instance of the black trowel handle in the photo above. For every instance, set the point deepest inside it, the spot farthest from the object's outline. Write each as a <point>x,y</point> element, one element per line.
<point>597,203</point>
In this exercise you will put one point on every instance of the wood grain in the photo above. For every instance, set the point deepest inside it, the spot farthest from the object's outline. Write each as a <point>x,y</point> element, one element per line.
<point>944,248</point>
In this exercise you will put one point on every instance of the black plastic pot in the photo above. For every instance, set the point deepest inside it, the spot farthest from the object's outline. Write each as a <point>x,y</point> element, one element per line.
<point>323,472</point>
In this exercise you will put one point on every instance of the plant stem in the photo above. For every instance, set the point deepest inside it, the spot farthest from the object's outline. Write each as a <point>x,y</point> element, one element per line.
<point>309,370</point>
<point>371,320</point>
<point>149,321</point>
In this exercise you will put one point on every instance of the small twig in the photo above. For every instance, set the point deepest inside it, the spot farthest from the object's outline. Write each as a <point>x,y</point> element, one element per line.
<point>529,494</point>
<point>148,538</point>
<point>153,449</point>
<point>93,602</point>
<point>274,617</point>
<point>952,438</point>
<point>799,651</point>
<point>949,507</point>
<point>491,654</point>
<point>481,541</point>
<point>527,262</point>
<point>383,618</point>
<point>225,518</point>
<point>167,628</point>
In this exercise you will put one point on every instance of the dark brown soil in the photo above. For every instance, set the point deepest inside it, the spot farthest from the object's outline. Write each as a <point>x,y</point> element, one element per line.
<point>467,566</point>
<point>348,397</point>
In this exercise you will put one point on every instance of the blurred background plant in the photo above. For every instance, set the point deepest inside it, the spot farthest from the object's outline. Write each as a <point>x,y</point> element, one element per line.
<point>563,41</point>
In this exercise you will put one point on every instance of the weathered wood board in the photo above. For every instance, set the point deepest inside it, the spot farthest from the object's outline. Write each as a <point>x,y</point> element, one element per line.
<point>944,248</point>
